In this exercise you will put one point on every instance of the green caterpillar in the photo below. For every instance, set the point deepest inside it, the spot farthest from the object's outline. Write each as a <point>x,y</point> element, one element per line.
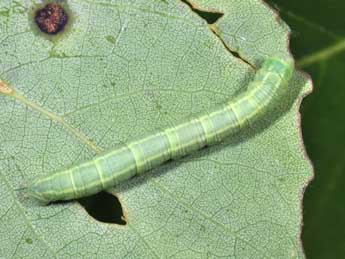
<point>118,165</point>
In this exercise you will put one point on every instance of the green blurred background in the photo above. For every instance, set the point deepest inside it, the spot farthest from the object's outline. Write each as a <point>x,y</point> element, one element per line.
<point>318,45</point>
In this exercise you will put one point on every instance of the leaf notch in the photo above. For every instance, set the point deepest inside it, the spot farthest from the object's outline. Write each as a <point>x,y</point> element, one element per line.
<point>210,17</point>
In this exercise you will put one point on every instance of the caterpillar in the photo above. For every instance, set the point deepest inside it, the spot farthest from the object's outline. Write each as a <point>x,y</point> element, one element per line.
<point>120,164</point>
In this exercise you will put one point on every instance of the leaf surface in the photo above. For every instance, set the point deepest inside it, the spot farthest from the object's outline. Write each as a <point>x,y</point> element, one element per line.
<point>125,69</point>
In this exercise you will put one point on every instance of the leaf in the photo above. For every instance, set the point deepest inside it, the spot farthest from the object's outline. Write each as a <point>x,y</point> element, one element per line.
<point>126,69</point>
<point>318,44</point>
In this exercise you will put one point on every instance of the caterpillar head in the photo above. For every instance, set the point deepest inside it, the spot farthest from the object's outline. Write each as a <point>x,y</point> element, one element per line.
<point>283,67</point>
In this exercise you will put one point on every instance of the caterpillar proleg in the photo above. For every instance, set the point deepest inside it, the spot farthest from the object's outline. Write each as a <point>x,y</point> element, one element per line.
<point>136,157</point>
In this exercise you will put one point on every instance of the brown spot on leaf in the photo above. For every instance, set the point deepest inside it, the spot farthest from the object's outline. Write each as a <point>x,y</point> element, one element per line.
<point>51,19</point>
<point>4,88</point>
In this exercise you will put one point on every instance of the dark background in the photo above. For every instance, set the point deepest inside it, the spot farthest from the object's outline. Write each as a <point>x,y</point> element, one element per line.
<point>318,45</point>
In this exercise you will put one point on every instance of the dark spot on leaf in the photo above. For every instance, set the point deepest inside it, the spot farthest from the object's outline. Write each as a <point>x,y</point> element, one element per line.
<point>5,12</point>
<point>104,207</point>
<point>29,241</point>
<point>158,106</point>
<point>111,39</point>
<point>51,19</point>
<point>202,228</point>
<point>281,179</point>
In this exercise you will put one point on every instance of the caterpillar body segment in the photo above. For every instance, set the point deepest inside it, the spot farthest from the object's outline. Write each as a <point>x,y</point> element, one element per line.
<point>136,157</point>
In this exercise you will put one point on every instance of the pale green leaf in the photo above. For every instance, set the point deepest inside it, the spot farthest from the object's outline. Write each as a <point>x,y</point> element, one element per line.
<point>128,68</point>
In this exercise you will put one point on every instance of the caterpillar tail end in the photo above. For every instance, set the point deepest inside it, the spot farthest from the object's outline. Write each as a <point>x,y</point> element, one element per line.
<point>34,191</point>
<point>283,67</point>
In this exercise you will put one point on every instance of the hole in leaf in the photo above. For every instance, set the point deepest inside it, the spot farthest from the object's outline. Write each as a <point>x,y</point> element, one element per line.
<point>104,207</point>
<point>208,16</point>
<point>51,19</point>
